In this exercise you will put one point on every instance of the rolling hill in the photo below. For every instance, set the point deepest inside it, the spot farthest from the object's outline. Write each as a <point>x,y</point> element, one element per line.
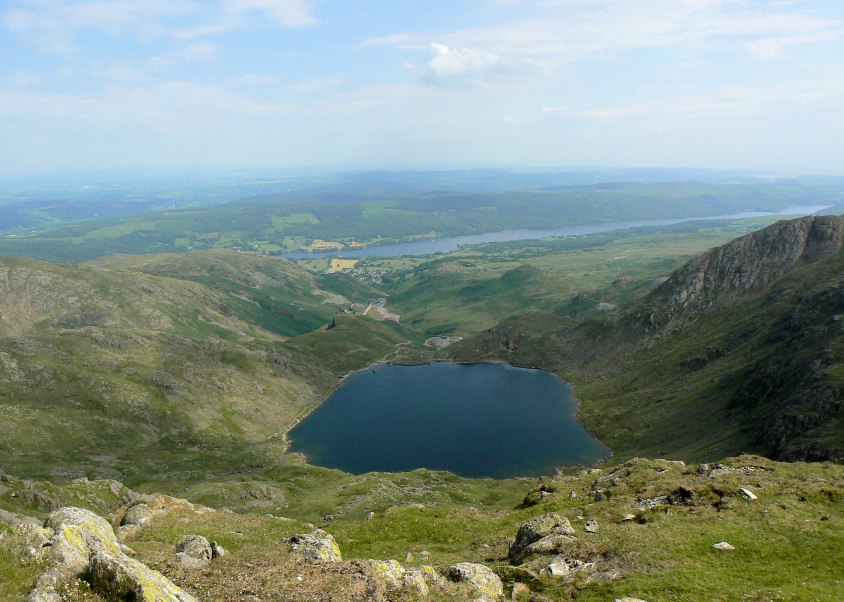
<point>163,366</point>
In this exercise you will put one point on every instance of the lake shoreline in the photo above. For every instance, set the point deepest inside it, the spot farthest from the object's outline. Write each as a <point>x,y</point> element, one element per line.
<point>450,244</point>
<point>574,441</point>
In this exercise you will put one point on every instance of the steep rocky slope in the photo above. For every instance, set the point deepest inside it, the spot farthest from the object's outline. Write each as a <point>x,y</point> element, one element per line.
<point>746,265</point>
<point>740,349</point>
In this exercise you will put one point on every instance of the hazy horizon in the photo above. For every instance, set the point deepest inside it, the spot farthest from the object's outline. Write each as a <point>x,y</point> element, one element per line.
<point>752,85</point>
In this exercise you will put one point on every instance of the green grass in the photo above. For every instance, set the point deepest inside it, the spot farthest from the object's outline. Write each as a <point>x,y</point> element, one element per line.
<point>17,575</point>
<point>786,541</point>
<point>472,290</point>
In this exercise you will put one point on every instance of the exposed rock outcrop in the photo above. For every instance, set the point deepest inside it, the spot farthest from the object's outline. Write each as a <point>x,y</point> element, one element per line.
<point>481,577</point>
<point>194,551</point>
<point>749,263</point>
<point>316,545</point>
<point>119,577</point>
<point>545,534</point>
<point>76,542</point>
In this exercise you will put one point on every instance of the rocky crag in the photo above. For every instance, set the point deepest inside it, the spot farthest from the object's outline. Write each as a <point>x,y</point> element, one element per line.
<point>747,265</point>
<point>741,348</point>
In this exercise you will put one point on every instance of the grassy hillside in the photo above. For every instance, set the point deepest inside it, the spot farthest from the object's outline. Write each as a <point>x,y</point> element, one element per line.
<point>472,290</point>
<point>169,368</point>
<point>759,371</point>
<point>197,364</point>
<point>269,293</point>
<point>181,373</point>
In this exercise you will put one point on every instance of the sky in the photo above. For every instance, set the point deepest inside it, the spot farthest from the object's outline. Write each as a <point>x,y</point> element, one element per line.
<point>745,84</point>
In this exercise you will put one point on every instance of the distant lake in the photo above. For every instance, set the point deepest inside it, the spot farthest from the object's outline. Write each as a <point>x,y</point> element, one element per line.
<point>452,243</point>
<point>476,420</point>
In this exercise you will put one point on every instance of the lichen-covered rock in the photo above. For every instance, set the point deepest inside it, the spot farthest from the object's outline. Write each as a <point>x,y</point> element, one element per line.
<point>487,583</point>
<point>196,547</point>
<point>388,571</point>
<point>52,579</point>
<point>416,579</point>
<point>47,587</point>
<point>78,533</point>
<point>543,534</point>
<point>429,574</point>
<point>217,550</point>
<point>39,595</point>
<point>316,545</point>
<point>145,506</point>
<point>137,515</point>
<point>26,540</point>
<point>118,577</point>
<point>557,567</point>
<point>535,495</point>
<point>123,532</point>
<point>652,502</point>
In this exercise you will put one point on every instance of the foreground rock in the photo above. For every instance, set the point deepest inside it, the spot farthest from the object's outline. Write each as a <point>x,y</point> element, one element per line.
<point>487,583</point>
<point>194,551</point>
<point>389,571</point>
<point>416,580</point>
<point>77,534</point>
<point>546,534</point>
<point>118,577</point>
<point>76,542</point>
<point>28,540</point>
<point>316,545</point>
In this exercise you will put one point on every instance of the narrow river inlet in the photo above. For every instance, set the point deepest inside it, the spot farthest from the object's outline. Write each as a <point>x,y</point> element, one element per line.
<point>475,420</point>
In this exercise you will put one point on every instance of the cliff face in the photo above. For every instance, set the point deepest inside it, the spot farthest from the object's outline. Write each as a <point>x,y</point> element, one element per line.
<point>747,264</point>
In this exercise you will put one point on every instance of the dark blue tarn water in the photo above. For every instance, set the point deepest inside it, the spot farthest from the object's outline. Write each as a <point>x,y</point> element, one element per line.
<point>477,420</point>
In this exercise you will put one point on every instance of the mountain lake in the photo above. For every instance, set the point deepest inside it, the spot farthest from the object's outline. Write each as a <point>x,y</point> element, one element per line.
<point>475,420</point>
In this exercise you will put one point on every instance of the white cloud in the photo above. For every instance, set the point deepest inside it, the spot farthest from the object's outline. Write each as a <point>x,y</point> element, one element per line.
<point>200,48</point>
<point>730,102</point>
<point>53,24</point>
<point>25,79</point>
<point>287,13</point>
<point>460,62</point>
<point>179,104</point>
<point>457,66</point>
<point>318,84</point>
<point>258,79</point>
<point>768,48</point>
<point>563,32</point>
